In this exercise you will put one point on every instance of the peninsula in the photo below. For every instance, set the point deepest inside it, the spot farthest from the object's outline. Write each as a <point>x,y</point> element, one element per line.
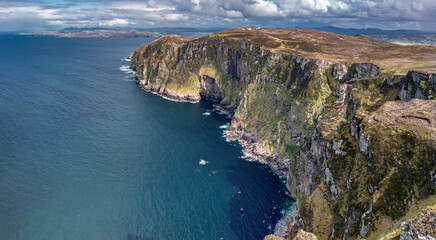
<point>350,121</point>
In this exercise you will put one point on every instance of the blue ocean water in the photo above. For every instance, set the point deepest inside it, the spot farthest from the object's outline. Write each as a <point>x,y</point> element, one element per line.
<point>86,154</point>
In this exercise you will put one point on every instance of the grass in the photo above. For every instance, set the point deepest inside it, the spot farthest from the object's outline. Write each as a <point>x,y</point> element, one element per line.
<point>316,44</point>
<point>388,229</point>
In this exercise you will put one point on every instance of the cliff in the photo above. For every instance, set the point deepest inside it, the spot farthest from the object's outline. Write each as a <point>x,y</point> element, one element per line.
<point>349,120</point>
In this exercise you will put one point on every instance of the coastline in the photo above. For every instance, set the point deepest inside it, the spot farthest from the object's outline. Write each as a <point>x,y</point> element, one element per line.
<point>317,111</point>
<point>251,150</point>
<point>167,96</point>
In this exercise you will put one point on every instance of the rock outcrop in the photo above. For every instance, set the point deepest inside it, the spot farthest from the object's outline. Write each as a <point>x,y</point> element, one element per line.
<point>421,228</point>
<point>356,140</point>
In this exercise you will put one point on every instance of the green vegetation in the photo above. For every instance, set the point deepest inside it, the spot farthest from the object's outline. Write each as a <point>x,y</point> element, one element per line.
<point>296,108</point>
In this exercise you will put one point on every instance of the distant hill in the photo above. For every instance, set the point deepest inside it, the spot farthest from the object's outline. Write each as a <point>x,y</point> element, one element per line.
<point>97,33</point>
<point>156,29</point>
<point>181,29</point>
<point>368,31</point>
<point>402,36</point>
<point>73,32</point>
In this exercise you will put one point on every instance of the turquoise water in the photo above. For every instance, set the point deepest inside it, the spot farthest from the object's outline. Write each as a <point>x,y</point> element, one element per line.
<point>86,154</point>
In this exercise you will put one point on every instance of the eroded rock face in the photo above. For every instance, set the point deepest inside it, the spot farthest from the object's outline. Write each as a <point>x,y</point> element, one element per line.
<point>340,72</point>
<point>421,228</point>
<point>418,77</point>
<point>406,92</point>
<point>395,80</point>
<point>210,89</point>
<point>371,136</point>
<point>363,70</point>
<point>367,219</point>
<point>308,168</point>
<point>416,85</point>
<point>335,139</point>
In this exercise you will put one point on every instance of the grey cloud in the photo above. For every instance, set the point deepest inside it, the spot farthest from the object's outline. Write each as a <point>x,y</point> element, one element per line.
<point>201,13</point>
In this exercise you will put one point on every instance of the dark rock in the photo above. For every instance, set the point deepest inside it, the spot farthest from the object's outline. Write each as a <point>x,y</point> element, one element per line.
<point>405,92</point>
<point>210,89</point>
<point>419,94</point>
<point>394,81</point>
<point>363,70</point>
<point>367,218</point>
<point>417,77</point>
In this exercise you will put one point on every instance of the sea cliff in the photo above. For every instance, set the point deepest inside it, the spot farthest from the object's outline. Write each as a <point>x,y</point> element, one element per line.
<point>350,121</point>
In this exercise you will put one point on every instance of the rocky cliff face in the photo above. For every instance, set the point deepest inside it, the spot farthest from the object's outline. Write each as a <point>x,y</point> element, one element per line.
<point>352,155</point>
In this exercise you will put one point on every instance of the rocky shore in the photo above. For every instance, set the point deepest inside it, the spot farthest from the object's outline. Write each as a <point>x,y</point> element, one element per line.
<point>348,120</point>
<point>254,150</point>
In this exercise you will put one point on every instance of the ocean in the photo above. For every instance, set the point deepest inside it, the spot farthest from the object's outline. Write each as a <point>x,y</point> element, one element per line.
<point>85,153</point>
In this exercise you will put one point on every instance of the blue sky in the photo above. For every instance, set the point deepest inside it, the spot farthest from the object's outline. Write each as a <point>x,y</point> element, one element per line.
<point>34,15</point>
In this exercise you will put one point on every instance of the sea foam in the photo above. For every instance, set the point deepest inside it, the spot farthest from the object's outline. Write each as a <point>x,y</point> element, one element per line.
<point>203,162</point>
<point>126,69</point>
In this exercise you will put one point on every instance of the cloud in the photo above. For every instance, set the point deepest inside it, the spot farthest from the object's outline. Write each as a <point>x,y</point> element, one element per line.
<point>30,14</point>
<point>233,14</point>
<point>140,6</point>
<point>115,22</point>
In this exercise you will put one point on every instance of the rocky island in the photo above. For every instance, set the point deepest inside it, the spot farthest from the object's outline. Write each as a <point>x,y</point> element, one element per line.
<point>350,121</point>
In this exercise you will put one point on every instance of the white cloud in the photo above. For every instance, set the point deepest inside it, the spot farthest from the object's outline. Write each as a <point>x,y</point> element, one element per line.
<point>175,17</point>
<point>14,11</point>
<point>139,6</point>
<point>116,22</point>
<point>140,13</point>
<point>234,14</point>
<point>266,9</point>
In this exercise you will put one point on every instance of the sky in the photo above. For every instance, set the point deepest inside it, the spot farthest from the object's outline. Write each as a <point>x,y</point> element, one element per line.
<point>42,15</point>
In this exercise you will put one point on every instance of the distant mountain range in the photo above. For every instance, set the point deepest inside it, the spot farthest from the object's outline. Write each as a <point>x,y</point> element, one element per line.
<point>125,32</point>
<point>98,33</point>
<point>343,31</point>
<point>404,36</point>
<point>369,31</point>
<point>158,29</point>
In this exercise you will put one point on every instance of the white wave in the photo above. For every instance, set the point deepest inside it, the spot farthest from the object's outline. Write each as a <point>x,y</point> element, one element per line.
<point>203,162</point>
<point>224,126</point>
<point>226,136</point>
<point>206,113</point>
<point>127,60</point>
<point>126,69</point>
<point>173,100</point>
<point>247,156</point>
<point>219,110</point>
<point>167,98</point>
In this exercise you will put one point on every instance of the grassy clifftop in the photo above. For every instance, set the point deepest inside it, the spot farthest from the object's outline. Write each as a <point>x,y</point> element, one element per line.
<point>315,44</point>
<point>349,120</point>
